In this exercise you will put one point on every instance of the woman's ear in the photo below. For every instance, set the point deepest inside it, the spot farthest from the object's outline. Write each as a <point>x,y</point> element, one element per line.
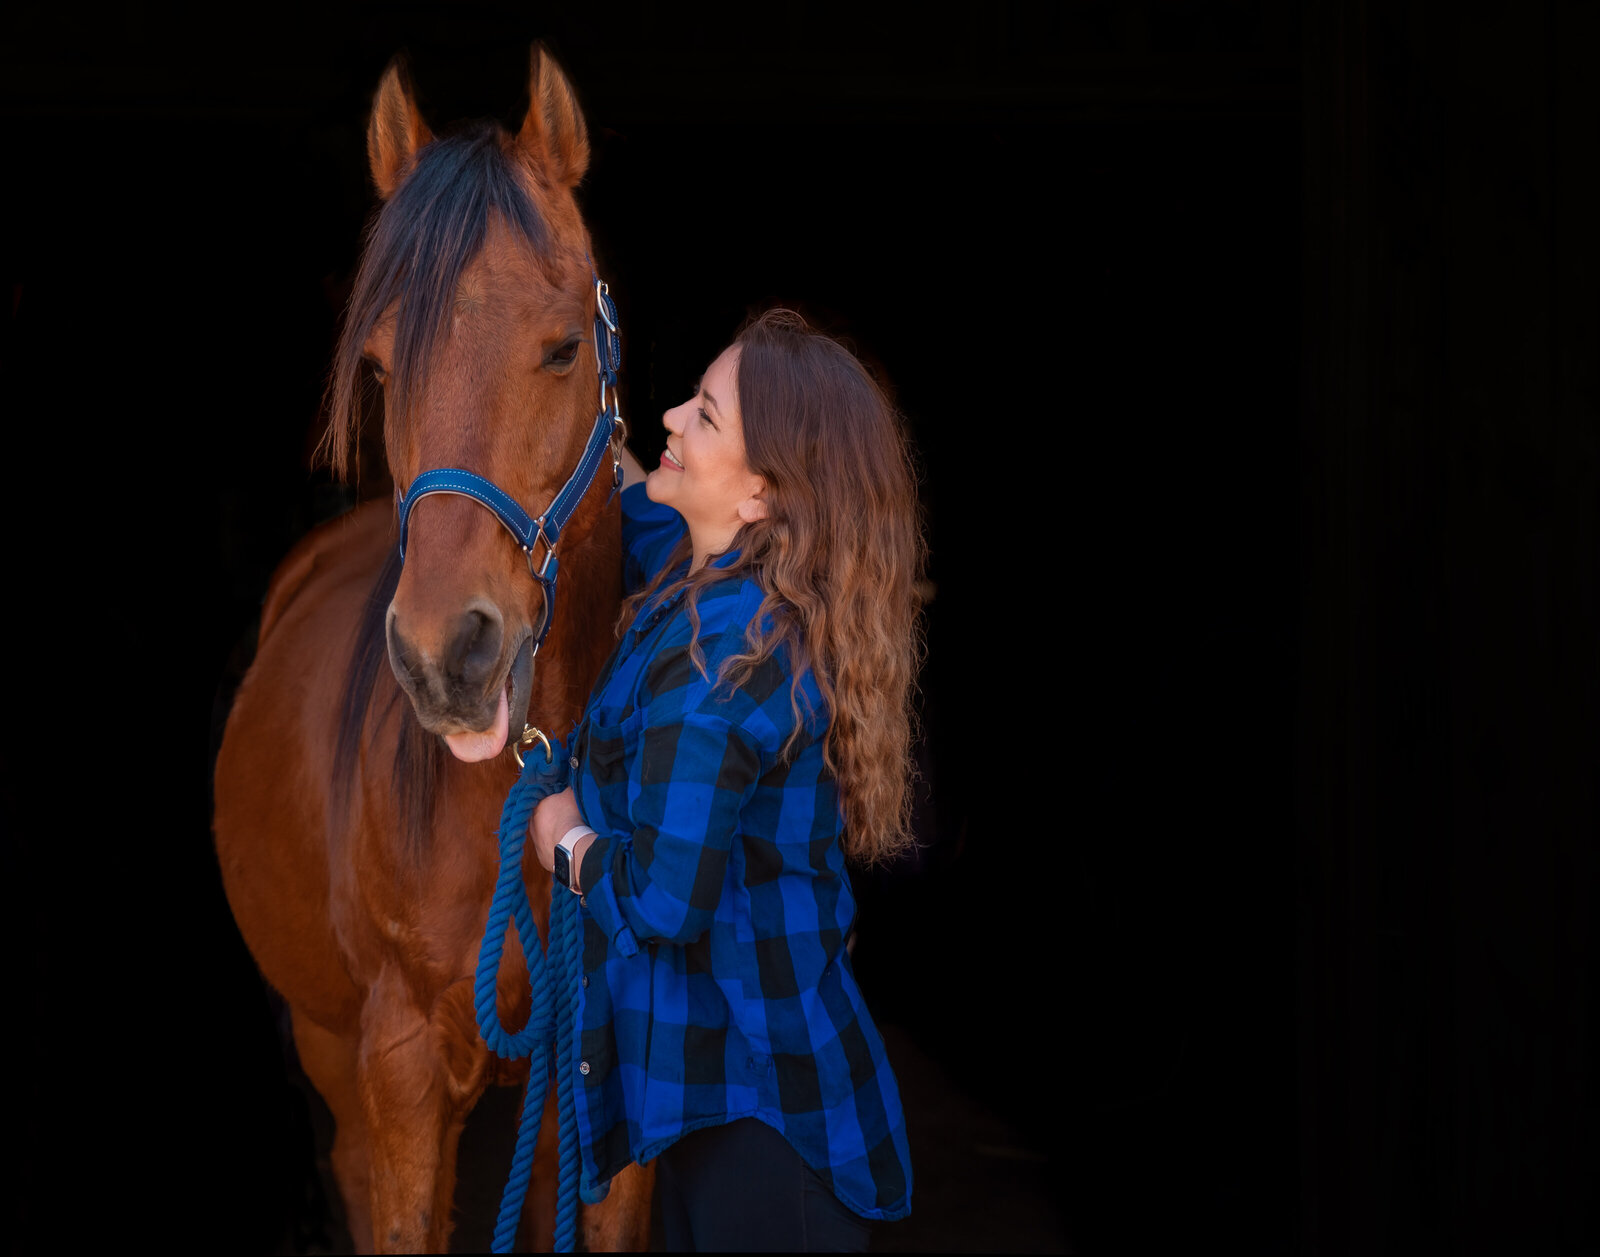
<point>754,507</point>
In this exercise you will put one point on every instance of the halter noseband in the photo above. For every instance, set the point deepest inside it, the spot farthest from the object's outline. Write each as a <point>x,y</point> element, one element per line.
<point>608,433</point>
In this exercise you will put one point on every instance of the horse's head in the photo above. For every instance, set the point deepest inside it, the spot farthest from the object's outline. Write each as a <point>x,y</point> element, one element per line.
<point>474,309</point>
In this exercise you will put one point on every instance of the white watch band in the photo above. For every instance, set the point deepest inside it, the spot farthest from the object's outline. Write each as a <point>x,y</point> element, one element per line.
<point>569,840</point>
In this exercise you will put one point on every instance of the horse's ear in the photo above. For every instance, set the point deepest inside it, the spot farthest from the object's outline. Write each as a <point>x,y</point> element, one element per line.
<point>396,130</point>
<point>553,135</point>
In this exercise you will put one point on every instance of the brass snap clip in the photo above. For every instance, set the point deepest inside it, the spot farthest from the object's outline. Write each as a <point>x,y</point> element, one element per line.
<point>530,735</point>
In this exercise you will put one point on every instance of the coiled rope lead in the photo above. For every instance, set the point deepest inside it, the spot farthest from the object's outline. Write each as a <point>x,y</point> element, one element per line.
<point>553,975</point>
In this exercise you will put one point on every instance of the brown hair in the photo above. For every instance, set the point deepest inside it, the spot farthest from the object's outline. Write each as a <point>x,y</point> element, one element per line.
<point>838,555</point>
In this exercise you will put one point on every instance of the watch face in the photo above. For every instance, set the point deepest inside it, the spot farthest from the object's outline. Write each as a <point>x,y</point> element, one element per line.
<point>563,868</point>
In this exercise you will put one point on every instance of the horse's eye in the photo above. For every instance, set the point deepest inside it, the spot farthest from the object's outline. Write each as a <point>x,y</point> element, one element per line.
<point>563,356</point>
<point>378,372</point>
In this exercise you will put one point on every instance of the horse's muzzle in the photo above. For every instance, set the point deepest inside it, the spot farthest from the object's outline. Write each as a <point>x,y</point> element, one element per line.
<point>455,688</point>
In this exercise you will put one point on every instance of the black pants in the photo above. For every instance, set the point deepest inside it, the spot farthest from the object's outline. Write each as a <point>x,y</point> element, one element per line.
<point>741,1188</point>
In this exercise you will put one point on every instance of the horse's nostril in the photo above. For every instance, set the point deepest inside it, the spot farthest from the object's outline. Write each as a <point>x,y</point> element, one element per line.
<point>474,651</point>
<point>408,662</point>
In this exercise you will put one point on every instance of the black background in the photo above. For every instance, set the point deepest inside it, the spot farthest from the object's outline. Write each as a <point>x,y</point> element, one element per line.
<point>1249,354</point>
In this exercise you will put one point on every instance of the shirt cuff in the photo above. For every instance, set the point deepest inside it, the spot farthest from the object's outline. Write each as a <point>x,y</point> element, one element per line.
<point>600,897</point>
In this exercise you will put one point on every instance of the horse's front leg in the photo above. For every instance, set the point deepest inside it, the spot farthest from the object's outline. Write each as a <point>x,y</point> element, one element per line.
<point>329,1060</point>
<point>618,1224</point>
<point>418,1077</point>
<point>621,1222</point>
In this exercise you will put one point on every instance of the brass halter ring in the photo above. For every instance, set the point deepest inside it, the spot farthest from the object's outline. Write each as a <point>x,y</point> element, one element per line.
<point>530,735</point>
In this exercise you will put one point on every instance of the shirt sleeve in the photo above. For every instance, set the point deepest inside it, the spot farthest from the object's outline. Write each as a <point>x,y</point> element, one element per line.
<point>663,882</point>
<point>649,532</point>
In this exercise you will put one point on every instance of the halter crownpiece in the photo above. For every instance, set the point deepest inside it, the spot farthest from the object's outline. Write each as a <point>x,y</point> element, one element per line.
<point>608,433</point>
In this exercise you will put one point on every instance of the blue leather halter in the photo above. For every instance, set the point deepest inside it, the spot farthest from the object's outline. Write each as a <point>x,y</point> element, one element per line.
<point>609,431</point>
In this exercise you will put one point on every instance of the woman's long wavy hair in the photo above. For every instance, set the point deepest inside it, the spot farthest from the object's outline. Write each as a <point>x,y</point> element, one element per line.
<point>840,555</point>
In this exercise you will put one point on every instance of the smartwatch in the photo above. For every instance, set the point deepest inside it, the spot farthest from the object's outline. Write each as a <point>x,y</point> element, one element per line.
<point>565,871</point>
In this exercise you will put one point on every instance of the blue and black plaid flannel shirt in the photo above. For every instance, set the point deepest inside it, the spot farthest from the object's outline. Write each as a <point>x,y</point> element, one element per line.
<point>716,982</point>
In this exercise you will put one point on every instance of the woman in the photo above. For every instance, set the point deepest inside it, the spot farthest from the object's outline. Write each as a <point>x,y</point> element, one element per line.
<point>749,734</point>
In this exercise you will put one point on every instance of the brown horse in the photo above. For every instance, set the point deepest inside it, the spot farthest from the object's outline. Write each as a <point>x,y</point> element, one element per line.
<point>358,853</point>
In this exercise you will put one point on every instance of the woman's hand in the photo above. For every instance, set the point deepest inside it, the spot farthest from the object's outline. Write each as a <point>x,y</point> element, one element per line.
<point>555,815</point>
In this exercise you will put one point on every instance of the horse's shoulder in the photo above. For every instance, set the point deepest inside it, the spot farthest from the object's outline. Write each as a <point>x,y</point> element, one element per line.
<point>349,547</point>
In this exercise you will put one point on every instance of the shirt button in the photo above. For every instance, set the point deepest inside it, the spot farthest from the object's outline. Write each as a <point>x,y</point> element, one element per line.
<point>585,983</point>
<point>583,1068</point>
<point>573,760</point>
<point>583,901</point>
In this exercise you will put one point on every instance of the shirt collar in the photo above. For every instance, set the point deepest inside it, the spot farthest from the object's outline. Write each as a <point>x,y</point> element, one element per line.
<point>652,611</point>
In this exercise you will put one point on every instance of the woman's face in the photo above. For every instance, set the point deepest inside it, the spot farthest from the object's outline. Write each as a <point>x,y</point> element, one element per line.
<point>703,474</point>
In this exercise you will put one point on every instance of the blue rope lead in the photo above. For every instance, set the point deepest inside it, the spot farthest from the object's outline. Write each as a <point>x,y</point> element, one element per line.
<point>553,975</point>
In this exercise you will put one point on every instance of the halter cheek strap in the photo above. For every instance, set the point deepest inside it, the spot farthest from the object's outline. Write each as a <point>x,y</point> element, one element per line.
<point>607,434</point>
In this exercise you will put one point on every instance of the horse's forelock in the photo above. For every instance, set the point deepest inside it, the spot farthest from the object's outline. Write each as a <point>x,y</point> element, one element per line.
<point>418,244</point>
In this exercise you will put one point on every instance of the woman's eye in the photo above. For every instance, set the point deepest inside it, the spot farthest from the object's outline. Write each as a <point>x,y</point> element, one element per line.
<point>563,356</point>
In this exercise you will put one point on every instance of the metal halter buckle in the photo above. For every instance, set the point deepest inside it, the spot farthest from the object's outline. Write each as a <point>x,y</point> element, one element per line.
<point>549,551</point>
<point>619,437</point>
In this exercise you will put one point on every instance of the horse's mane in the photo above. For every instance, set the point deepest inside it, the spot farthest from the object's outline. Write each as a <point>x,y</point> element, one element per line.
<point>418,244</point>
<point>419,757</point>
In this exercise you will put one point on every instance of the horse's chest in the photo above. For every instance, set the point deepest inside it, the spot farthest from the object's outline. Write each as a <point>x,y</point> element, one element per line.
<point>431,925</point>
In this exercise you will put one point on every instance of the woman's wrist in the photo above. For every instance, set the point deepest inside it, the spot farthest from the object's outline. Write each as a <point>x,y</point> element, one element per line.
<point>573,845</point>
